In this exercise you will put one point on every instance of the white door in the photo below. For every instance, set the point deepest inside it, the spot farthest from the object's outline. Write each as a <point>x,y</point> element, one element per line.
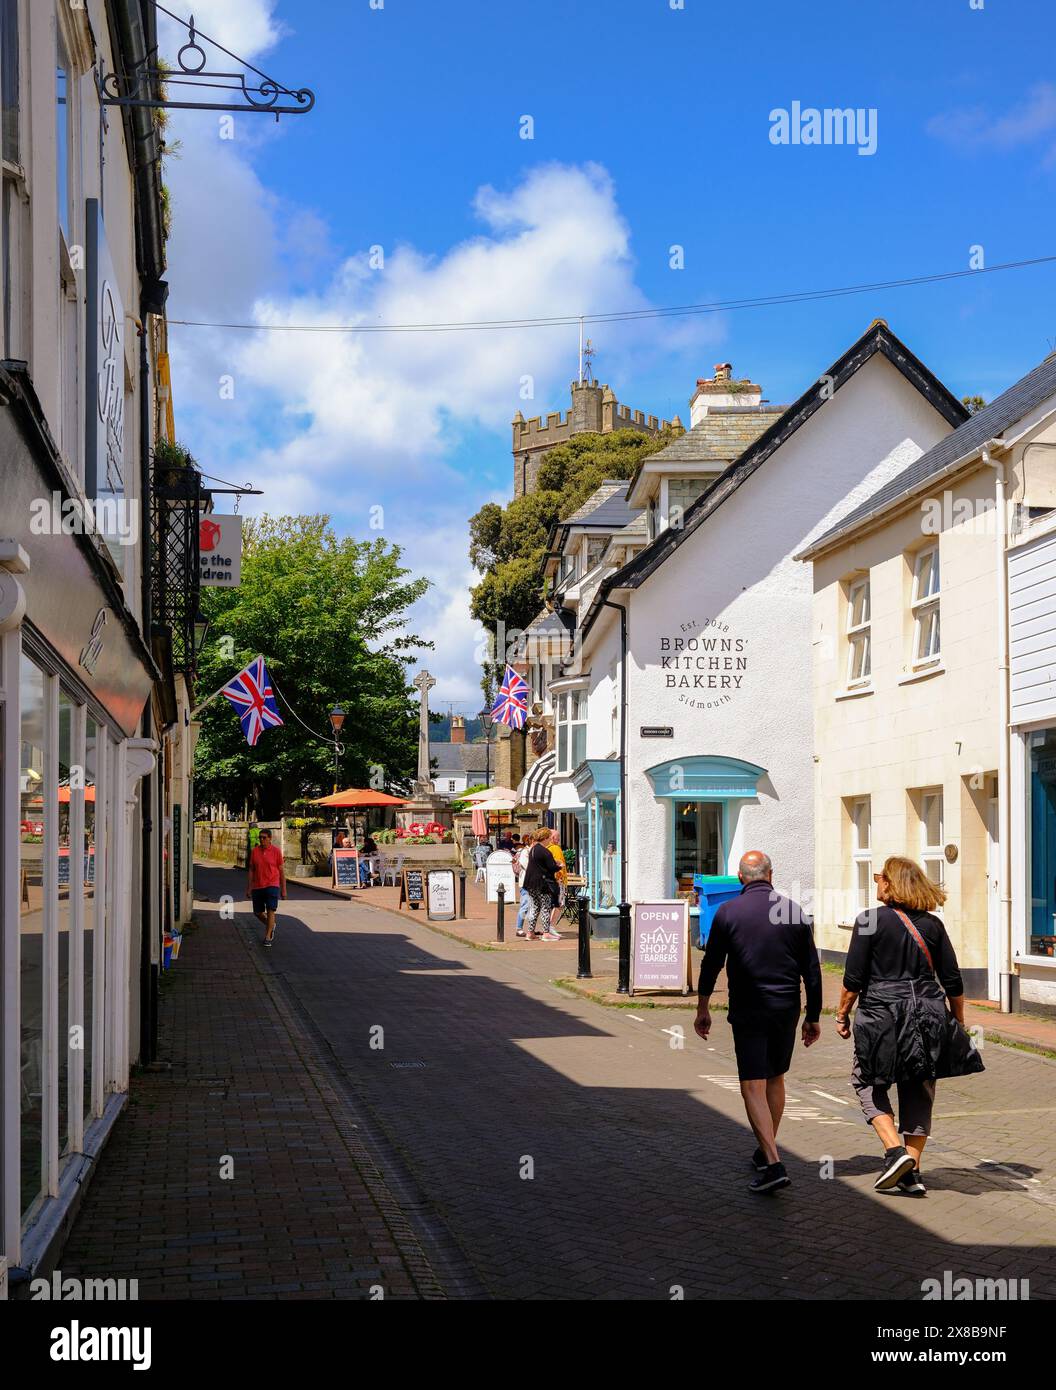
<point>993,901</point>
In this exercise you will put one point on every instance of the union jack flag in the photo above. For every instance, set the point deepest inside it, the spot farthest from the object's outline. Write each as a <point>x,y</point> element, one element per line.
<point>252,696</point>
<point>512,705</point>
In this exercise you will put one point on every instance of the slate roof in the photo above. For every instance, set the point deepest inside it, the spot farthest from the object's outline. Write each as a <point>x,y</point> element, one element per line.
<point>720,437</point>
<point>606,507</point>
<point>1030,391</point>
<point>454,759</point>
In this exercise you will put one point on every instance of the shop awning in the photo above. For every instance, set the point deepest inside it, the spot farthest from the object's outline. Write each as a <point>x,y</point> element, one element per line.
<point>564,797</point>
<point>534,789</point>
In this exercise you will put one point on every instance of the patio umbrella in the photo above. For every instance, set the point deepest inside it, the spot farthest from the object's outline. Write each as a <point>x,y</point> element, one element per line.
<point>359,799</point>
<point>64,796</point>
<point>489,794</point>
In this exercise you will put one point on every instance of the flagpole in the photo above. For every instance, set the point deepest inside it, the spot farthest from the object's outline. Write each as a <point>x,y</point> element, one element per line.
<point>209,699</point>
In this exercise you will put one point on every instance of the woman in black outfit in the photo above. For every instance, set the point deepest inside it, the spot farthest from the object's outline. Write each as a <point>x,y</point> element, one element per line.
<point>540,883</point>
<point>902,969</point>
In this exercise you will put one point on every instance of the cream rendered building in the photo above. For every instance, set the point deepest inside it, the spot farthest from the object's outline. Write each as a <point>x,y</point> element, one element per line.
<point>909,653</point>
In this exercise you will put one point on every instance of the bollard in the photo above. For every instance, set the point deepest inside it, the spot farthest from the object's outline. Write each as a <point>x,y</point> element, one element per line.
<point>462,893</point>
<point>584,938</point>
<point>623,984</point>
<point>500,925</point>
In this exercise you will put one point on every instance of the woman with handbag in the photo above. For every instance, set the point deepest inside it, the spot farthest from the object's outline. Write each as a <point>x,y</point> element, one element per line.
<point>909,1025</point>
<point>540,883</point>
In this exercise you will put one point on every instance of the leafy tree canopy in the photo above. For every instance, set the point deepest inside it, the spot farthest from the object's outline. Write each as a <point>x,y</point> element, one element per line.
<point>329,616</point>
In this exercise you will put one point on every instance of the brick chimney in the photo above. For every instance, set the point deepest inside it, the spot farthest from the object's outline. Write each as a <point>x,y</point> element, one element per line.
<point>724,390</point>
<point>458,728</point>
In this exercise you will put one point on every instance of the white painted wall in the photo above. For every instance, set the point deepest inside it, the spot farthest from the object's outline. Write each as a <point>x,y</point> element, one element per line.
<point>737,569</point>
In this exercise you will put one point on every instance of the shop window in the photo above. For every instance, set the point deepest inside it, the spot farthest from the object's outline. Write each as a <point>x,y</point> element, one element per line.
<point>859,633</point>
<point>932,839</point>
<point>12,190</point>
<point>606,884</point>
<point>31,928</point>
<point>1041,820</point>
<point>862,852</point>
<point>925,606</point>
<point>697,841</point>
<point>63,1017</point>
<point>93,744</point>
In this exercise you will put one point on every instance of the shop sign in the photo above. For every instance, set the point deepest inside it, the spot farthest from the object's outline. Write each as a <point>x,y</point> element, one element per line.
<point>220,551</point>
<point>660,954</point>
<point>440,895</point>
<point>345,869</point>
<point>703,661</point>
<point>657,731</point>
<point>499,869</point>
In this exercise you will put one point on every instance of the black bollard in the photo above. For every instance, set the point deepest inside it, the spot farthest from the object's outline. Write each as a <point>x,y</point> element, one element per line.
<point>584,938</point>
<point>623,984</point>
<point>462,893</point>
<point>500,925</point>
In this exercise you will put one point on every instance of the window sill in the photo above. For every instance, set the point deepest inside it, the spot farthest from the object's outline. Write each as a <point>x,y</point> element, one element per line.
<point>1045,962</point>
<point>855,693</point>
<point>923,673</point>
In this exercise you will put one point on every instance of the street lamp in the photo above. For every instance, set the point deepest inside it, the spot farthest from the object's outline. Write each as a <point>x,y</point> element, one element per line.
<point>337,719</point>
<point>201,627</point>
<point>487,719</point>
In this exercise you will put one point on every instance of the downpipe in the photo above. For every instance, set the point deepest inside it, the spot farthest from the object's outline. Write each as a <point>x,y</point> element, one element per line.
<point>1004,804</point>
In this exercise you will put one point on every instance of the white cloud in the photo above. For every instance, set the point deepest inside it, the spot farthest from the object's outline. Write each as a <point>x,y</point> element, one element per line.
<point>976,128</point>
<point>342,422</point>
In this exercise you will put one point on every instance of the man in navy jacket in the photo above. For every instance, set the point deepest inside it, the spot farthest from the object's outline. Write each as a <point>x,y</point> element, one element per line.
<point>766,943</point>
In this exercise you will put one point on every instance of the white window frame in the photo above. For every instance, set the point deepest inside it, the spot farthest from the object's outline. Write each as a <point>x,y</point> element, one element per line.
<point>859,634</point>
<point>563,723</point>
<point>924,607</point>
<point>932,856</point>
<point>861,854</point>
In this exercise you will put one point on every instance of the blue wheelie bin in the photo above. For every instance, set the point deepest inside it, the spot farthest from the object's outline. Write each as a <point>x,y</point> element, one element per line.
<point>712,889</point>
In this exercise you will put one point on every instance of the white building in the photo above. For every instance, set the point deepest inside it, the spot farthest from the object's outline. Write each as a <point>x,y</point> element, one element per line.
<point>690,696</point>
<point>83,703</point>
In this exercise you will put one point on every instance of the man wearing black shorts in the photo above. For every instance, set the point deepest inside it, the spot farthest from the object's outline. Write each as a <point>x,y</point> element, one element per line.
<point>766,944</point>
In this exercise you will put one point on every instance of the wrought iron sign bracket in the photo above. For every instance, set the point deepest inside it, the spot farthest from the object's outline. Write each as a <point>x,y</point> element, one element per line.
<point>264,96</point>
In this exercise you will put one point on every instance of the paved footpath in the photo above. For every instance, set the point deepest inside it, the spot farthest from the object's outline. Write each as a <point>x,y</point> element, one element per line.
<point>447,1121</point>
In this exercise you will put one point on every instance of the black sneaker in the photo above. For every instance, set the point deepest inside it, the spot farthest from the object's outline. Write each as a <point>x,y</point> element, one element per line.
<point>896,1162</point>
<point>759,1162</point>
<point>770,1179</point>
<point>912,1184</point>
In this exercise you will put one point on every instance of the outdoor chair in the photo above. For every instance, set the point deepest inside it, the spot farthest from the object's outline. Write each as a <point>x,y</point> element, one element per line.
<point>392,868</point>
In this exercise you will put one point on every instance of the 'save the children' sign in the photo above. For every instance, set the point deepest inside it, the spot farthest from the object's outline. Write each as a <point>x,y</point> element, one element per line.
<point>660,956</point>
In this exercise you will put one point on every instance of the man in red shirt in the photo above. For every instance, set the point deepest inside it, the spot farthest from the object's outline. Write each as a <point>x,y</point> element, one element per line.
<point>267,883</point>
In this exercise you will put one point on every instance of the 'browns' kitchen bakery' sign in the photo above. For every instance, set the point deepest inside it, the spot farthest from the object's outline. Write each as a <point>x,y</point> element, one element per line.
<point>703,662</point>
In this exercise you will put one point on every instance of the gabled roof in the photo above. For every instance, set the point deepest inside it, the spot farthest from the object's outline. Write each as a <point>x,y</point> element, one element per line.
<point>878,338</point>
<point>454,759</point>
<point>606,507</point>
<point>960,446</point>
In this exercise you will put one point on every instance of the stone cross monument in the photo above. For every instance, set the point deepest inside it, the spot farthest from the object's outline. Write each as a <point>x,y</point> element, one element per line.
<point>424,683</point>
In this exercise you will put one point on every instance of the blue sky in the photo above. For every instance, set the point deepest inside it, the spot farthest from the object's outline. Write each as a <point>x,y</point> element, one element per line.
<point>651,129</point>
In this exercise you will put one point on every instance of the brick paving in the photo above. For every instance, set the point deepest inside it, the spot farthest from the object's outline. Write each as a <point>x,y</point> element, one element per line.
<point>521,1142</point>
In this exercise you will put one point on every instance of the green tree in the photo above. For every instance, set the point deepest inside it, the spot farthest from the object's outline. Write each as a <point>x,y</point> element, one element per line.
<point>329,616</point>
<point>508,544</point>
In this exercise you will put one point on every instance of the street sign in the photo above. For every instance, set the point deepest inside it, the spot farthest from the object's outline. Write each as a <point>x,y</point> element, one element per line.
<point>499,869</point>
<point>345,868</point>
<point>440,895</point>
<point>657,731</point>
<point>412,888</point>
<point>220,551</point>
<point>660,956</point>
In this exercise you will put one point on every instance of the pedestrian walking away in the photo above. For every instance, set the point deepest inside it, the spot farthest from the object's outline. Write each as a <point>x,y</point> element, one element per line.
<point>909,1024</point>
<point>540,883</point>
<point>766,943</point>
<point>267,883</point>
